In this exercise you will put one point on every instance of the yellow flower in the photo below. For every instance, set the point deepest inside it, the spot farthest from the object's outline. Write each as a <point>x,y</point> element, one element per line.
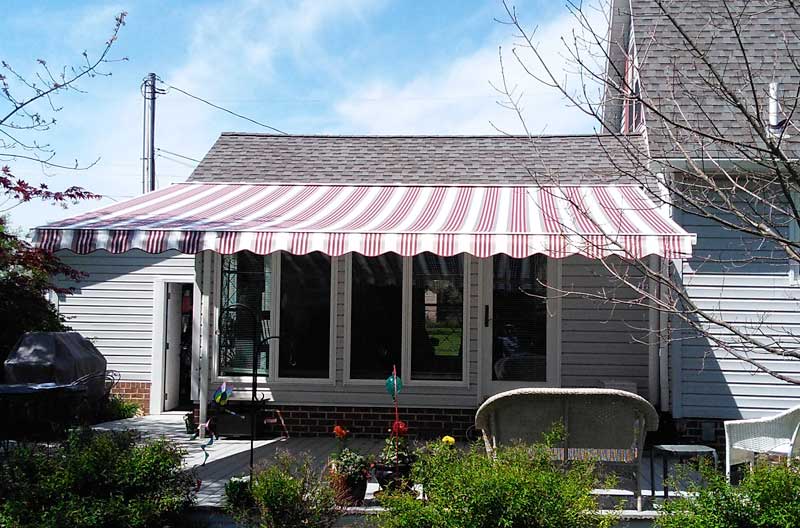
<point>448,440</point>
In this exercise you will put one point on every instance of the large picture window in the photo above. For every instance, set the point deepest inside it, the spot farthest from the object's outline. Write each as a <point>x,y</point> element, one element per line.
<point>437,317</point>
<point>407,312</point>
<point>249,312</point>
<point>376,315</point>
<point>305,307</point>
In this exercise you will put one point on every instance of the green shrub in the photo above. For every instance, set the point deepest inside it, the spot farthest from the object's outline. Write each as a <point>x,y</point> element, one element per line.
<point>118,408</point>
<point>522,487</point>
<point>768,497</point>
<point>93,479</point>
<point>285,494</point>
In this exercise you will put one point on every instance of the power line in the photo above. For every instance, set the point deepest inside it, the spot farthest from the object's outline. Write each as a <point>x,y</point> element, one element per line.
<point>165,151</point>
<point>209,103</point>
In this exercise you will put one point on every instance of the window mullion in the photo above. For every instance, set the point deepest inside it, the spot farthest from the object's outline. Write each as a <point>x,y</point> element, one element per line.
<point>405,342</point>
<point>275,316</point>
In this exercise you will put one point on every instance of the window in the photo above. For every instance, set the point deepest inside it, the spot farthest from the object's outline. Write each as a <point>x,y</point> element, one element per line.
<point>519,319</point>
<point>437,317</point>
<point>244,313</point>
<point>305,307</point>
<point>376,315</point>
<point>407,312</point>
<point>300,309</point>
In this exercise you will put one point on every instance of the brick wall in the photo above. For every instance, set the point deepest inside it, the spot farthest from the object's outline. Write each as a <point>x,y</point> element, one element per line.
<point>135,391</point>
<point>705,431</point>
<point>363,422</point>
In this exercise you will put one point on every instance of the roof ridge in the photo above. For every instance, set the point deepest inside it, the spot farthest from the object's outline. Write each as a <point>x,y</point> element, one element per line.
<point>422,136</point>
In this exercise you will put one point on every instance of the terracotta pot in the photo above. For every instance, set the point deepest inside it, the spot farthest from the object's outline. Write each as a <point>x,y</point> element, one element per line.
<point>350,490</point>
<point>393,477</point>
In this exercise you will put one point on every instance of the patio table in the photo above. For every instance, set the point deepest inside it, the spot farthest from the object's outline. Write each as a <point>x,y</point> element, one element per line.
<point>675,452</point>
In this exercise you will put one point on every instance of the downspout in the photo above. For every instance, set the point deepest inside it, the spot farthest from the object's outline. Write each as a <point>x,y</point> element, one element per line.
<point>207,338</point>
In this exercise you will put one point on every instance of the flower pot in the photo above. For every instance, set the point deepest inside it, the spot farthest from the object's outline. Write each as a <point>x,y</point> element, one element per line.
<point>350,490</point>
<point>394,477</point>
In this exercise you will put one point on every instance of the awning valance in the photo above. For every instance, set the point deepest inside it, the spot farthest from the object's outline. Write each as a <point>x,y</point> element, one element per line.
<point>595,221</point>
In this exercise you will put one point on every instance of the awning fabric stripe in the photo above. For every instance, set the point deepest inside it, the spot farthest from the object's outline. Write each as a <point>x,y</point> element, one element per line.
<point>595,221</point>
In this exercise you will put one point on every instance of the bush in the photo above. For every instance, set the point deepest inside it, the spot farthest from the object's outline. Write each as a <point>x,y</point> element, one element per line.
<point>285,494</point>
<point>94,479</point>
<point>522,487</point>
<point>118,408</point>
<point>767,497</point>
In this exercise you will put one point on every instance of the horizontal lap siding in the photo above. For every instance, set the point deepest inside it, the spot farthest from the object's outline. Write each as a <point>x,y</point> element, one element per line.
<point>113,304</point>
<point>600,341</point>
<point>759,298</point>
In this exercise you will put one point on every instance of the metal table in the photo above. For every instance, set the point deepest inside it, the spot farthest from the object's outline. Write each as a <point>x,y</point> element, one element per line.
<point>677,452</point>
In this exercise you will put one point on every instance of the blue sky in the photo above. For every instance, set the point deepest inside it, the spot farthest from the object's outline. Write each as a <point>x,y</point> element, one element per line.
<point>314,66</point>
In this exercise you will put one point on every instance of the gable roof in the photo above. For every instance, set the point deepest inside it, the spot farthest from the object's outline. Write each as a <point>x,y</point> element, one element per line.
<point>677,81</point>
<point>253,158</point>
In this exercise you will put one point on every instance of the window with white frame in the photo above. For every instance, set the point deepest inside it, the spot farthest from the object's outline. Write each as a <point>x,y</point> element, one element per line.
<point>407,312</point>
<point>262,293</point>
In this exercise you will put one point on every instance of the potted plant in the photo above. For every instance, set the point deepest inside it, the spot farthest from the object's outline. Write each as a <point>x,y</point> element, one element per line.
<point>393,467</point>
<point>349,472</point>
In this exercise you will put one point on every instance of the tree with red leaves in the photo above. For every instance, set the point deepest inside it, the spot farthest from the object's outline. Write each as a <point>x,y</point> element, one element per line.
<point>26,272</point>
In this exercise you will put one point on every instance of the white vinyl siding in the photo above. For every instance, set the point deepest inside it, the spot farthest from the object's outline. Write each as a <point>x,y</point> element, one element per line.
<point>113,305</point>
<point>757,297</point>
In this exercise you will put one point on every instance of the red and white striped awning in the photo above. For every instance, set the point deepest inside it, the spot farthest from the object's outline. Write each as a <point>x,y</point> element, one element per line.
<point>595,221</point>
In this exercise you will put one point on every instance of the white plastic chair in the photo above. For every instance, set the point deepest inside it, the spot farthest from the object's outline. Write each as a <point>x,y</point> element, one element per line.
<point>773,435</point>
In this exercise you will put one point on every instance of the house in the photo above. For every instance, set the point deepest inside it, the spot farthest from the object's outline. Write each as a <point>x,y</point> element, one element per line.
<point>689,66</point>
<point>471,264</point>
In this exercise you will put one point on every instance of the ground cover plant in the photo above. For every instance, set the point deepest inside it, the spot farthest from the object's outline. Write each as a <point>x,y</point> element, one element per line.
<point>767,497</point>
<point>521,487</point>
<point>94,479</point>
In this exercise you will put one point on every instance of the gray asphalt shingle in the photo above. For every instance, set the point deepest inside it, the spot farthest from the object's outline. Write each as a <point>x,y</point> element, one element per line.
<point>677,81</point>
<point>247,157</point>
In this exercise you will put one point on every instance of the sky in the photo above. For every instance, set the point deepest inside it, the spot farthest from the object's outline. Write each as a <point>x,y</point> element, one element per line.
<point>304,67</point>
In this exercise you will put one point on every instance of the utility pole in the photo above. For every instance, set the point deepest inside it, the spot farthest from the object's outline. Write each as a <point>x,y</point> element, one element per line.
<point>149,144</point>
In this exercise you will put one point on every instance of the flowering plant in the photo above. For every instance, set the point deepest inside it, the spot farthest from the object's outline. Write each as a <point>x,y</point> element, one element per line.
<point>448,440</point>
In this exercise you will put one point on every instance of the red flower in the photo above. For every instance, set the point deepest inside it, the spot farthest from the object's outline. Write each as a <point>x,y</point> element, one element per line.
<point>340,432</point>
<point>399,428</point>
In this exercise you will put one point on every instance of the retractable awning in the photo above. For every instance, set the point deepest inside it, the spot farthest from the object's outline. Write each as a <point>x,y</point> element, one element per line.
<point>595,221</point>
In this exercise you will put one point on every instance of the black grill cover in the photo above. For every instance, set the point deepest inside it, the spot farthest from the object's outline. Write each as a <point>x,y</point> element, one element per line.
<point>56,357</point>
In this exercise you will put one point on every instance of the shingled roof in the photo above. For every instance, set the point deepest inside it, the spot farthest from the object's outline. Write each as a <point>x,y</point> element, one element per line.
<point>674,78</point>
<point>246,157</point>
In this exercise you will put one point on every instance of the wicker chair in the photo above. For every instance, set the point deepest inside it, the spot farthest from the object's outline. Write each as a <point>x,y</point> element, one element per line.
<point>605,424</point>
<point>774,435</point>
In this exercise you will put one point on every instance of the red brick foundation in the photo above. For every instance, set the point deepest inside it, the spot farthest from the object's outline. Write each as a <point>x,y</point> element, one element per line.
<point>364,422</point>
<point>705,431</point>
<point>135,391</point>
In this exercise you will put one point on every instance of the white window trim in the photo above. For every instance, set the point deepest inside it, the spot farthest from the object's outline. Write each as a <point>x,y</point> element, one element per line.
<point>487,386</point>
<point>274,346</point>
<point>405,341</point>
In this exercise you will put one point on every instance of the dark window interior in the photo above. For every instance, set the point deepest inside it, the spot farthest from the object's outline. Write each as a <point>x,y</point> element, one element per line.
<point>519,318</point>
<point>305,316</point>
<point>376,315</point>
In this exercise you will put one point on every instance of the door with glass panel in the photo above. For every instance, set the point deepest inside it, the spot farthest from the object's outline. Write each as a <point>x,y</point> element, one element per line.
<point>515,324</point>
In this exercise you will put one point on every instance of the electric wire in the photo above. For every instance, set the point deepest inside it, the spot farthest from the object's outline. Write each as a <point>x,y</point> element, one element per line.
<point>218,107</point>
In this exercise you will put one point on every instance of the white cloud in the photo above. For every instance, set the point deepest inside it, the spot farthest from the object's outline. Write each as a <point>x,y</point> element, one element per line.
<point>459,99</point>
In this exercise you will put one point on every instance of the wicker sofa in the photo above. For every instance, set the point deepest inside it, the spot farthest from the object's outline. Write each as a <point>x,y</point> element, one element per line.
<point>605,424</point>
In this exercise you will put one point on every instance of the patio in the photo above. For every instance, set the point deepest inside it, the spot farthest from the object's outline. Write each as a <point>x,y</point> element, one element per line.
<point>230,457</point>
